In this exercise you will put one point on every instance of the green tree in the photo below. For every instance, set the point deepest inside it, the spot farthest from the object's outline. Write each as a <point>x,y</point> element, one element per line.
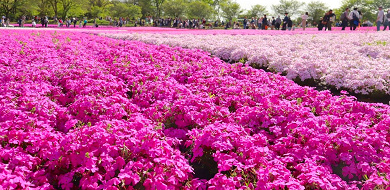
<point>95,11</point>
<point>230,9</point>
<point>147,7</point>
<point>43,7</point>
<point>8,7</point>
<point>27,8</point>
<point>67,6</point>
<point>316,9</point>
<point>174,8</point>
<point>125,10</point>
<point>374,4</point>
<point>98,8</point>
<point>54,6</point>
<point>217,6</point>
<point>257,11</point>
<point>157,5</point>
<point>290,6</point>
<point>199,9</point>
<point>80,9</point>
<point>210,2</point>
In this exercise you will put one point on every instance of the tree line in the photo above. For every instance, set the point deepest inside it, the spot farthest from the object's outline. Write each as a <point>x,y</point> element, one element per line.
<point>208,9</point>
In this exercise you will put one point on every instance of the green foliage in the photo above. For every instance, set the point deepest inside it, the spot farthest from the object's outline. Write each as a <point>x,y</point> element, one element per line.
<point>98,8</point>
<point>43,8</point>
<point>316,9</point>
<point>199,10</point>
<point>368,8</point>
<point>157,4</point>
<point>67,5</point>
<point>174,8</point>
<point>256,11</point>
<point>374,4</point>
<point>120,9</point>
<point>147,7</point>
<point>290,6</point>
<point>210,2</point>
<point>376,43</point>
<point>230,9</point>
<point>96,11</point>
<point>28,8</point>
<point>10,7</point>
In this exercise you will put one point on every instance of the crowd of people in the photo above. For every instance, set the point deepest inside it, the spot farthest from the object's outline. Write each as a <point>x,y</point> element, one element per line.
<point>263,23</point>
<point>353,19</point>
<point>67,22</point>
<point>186,23</point>
<point>4,22</point>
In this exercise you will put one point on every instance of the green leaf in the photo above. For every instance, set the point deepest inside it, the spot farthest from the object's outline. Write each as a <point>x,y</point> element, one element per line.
<point>299,101</point>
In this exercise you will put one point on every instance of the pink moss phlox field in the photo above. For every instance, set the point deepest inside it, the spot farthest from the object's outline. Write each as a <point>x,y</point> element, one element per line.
<point>357,62</point>
<point>84,111</point>
<point>241,31</point>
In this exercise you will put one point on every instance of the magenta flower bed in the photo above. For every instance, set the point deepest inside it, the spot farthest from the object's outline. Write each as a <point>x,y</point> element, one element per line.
<point>89,112</point>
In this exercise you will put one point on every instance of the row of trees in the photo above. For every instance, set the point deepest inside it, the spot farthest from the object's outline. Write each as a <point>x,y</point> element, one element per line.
<point>70,8</point>
<point>209,9</point>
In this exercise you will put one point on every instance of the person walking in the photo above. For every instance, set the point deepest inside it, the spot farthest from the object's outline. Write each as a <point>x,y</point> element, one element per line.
<point>259,21</point>
<point>304,19</point>
<point>244,23</point>
<point>23,21</point>
<point>290,24</point>
<point>385,23</point>
<point>85,22</point>
<point>344,19</point>
<point>320,24</point>
<point>33,23</point>
<point>354,16</point>
<point>379,19</point>
<point>60,23</point>
<point>46,21</point>
<point>273,23</point>
<point>74,22</point>
<point>278,22</point>
<point>328,20</point>
<point>253,25</point>
<point>387,20</point>
<point>264,24</point>
<point>228,23</point>
<point>285,21</point>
